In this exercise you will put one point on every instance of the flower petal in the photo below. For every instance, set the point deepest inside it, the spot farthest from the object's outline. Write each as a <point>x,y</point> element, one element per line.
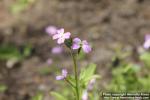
<point>49,61</point>
<point>67,35</point>
<point>64,73</point>
<point>60,31</point>
<point>51,30</point>
<point>84,42</point>
<point>59,77</point>
<point>60,40</point>
<point>85,95</point>
<point>56,36</point>
<point>91,84</point>
<point>147,37</point>
<point>86,48</point>
<point>77,40</point>
<point>57,50</point>
<point>75,46</point>
<point>146,44</point>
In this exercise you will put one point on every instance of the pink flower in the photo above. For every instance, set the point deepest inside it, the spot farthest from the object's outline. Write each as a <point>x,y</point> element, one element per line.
<point>85,95</point>
<point>63,76</point>
<point>91,84</point>
<point>57,50</point>
<point>61,36</point>
<point>146,44</point>
<point>49,61</point>
<point>51,30</point>
<point>77,43</point>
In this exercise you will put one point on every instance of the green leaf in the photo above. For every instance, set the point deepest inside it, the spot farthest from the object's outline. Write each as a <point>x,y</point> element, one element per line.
<point>16,8</point>
<point>92,77</point>
<point>27,50</point>
<point>88,72</point>
<point>71,79</point>
<point>39,96</point>
<point>20,5</point>
<point>8,52</point>
<point>58,96</point>
<point>145,57</point>
<point>145,83</point>
<point>125,78</point>
<point>68,43</point>
<point>3,88</point>
<point>81,55</point>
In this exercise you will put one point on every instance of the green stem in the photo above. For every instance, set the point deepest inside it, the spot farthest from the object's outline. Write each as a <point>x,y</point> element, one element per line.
<point>76,74</point>
<point>69,83</point>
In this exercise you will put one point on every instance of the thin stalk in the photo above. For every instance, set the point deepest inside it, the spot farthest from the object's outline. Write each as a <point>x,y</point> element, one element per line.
<point>69,83</point>
<point>76,74</point>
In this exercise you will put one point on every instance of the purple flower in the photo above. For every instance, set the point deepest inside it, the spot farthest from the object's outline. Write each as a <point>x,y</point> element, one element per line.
<point>85,95</point>
<point>51,30</point>
<point>146,44</point>
<point>49,61</point>
<point>57,50</point>
<point>63,76</point>
<point>91,84</point>
<point>77,43</point>
<point>61,36</point>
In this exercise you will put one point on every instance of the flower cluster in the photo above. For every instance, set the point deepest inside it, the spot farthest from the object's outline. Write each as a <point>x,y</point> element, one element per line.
<point>61,36</point>
<point>77,43</point>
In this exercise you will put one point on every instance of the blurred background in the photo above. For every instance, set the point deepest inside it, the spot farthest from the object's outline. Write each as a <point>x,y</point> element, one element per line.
<point>115,29</point>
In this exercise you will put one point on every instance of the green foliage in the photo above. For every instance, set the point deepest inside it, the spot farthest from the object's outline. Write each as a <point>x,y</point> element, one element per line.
<point>131,77</point>
<point>58,96</point>
<point>20,5</point>
<point>125,78</point>
<point>81,55</point>
<point>68,43</point>
<point>71,79</point>
<point>94,95</point>
<point>145,57</point>
<point>87,74</point>
<point>8,52</point>
<point>38,96</point>
<point>145,82</point>
<point>27,50</point>
<point>3,88</point>
<point>11,52</point>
